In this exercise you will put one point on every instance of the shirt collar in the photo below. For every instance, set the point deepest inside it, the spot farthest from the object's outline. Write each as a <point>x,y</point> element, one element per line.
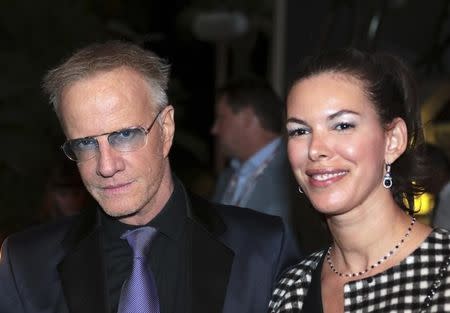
<point>170,221</point>
<point>257,159</point>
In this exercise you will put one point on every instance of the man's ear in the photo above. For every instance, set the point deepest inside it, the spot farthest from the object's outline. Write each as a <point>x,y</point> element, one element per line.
<point>396,140</point>
<point>249,117</point>
<point>168,126</point>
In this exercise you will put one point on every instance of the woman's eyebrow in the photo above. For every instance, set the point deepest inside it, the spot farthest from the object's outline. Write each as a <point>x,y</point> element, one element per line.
<point>330,117</point>
<point>341,112</point>
<point>296,120</point>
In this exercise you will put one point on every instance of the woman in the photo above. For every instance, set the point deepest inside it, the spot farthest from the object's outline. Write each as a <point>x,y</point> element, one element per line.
<point>353,124</point>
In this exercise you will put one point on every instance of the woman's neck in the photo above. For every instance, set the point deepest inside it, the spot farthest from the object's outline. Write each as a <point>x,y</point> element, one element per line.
<point>364,235</point>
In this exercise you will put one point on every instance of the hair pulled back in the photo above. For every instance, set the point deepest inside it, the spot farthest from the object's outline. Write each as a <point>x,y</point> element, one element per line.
<point>389,84</point>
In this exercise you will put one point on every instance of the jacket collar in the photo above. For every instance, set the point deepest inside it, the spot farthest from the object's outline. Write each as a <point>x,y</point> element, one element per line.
<point>211,259</point>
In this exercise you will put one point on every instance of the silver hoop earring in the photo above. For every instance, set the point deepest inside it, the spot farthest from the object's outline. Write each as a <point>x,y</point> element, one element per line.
<point>387,179</point>
<point>300,189</point>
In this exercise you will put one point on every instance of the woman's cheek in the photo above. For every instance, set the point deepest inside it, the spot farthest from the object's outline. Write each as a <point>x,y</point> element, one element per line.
<point>297,154</point>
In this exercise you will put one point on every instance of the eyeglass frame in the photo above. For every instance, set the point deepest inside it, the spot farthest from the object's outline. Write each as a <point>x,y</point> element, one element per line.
<point>145,130</point>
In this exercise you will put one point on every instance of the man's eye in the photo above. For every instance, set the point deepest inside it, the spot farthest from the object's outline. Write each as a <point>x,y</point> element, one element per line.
<point>84,143</point>
<point>127,133</point>
<point>126,136</point>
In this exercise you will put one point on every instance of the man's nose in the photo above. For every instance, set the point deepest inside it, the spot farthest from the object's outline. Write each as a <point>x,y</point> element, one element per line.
<point>109,161</point>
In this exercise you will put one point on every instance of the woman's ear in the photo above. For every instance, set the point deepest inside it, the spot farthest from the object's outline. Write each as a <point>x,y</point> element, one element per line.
<point>396,140</point>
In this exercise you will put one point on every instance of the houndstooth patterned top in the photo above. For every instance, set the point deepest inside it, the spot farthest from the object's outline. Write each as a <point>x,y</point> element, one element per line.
<point>419,283</point>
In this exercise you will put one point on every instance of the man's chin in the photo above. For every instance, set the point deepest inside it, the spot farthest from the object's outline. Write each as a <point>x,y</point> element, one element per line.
<point>120,213</point>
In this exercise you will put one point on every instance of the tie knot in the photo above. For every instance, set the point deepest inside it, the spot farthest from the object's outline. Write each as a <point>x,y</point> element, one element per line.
<point>139,239</point>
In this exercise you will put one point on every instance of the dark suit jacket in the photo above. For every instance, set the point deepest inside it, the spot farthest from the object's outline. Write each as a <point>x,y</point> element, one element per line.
<point>236,256</point>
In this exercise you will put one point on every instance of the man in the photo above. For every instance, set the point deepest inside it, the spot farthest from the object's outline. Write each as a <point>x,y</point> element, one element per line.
<point>111,101</point>
<point>248,127</point>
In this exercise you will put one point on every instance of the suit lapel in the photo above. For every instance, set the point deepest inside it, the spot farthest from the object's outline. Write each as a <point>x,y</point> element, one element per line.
<point>211,259</point>
<point>82,271</point>
<point>211,267</point>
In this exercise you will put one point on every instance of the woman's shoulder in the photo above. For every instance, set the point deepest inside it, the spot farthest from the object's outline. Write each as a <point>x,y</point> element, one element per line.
<point>438,243</point>
<point>435,247</point>
<point>434,256</point>
<point>306,265</point>
<point>294,282</point>
<point>440,232</point>
<point>439,239</point>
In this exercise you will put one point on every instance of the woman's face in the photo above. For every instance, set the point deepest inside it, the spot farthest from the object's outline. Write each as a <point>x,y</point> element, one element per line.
<point>336,142</point>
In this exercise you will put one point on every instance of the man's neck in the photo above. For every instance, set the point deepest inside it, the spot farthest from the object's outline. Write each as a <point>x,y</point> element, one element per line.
<point>254,146</point>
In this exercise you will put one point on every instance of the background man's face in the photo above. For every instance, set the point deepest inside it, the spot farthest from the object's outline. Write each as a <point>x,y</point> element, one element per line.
<point>228,127</point>
<point>123,183</point>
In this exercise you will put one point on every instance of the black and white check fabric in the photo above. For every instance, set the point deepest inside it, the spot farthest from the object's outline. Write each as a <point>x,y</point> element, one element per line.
<point>420,283</point>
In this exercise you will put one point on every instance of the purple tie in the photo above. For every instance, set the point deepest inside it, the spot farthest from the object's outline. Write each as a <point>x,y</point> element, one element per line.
<point>139,294</point>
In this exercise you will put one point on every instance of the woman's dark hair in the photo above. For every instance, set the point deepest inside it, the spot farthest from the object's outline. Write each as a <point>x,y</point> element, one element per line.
<point>391,87</point>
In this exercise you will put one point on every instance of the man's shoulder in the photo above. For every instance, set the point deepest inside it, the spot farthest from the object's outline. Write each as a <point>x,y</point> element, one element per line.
<point>265,233</point>
<point>247,215</point>
<point>235,214</point>
<point>236,219</point>
<point>41,235</point>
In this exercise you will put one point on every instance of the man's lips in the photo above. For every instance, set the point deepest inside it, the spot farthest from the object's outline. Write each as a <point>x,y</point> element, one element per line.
<point>113,188</point>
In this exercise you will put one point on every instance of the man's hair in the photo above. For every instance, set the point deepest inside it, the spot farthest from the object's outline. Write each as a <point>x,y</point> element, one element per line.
<point>104,57</point>
<point>257,94</point>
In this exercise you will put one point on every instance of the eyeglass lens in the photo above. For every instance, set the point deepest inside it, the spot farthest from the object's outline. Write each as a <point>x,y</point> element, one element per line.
<point>125,140</point>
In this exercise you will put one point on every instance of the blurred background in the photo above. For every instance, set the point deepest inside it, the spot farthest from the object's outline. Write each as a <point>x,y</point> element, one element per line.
<point>207,42</point>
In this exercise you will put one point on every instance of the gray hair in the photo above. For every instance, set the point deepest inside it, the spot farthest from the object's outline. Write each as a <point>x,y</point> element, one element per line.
<point>107,56</point>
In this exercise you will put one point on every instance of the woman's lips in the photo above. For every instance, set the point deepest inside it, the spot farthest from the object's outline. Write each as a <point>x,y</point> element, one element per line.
<point>323,178</point>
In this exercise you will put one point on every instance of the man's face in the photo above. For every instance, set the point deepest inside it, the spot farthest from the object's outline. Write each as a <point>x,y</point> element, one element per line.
<point>228,128</point>
<point>131,186</point>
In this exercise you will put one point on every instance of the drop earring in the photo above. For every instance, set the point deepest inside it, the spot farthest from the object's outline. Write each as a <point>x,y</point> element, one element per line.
<point>387,179</point>
<point>300,189</point>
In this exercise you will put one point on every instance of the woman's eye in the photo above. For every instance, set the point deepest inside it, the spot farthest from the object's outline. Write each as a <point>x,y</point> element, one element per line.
<point>297,132</point>
<point>344,126</point>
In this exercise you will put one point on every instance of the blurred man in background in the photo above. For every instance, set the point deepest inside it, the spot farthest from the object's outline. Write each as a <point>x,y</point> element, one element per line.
<point>248,127</point>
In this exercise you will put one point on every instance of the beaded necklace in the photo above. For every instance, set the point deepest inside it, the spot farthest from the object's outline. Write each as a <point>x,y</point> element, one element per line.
<point>380,261</point>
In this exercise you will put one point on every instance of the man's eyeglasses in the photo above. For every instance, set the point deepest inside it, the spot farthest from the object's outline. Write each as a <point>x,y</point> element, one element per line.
<point>124,140</point>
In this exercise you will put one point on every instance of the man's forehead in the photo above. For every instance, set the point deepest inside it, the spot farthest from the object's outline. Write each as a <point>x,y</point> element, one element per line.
<point>109,73</point>
<point>104,103</point>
